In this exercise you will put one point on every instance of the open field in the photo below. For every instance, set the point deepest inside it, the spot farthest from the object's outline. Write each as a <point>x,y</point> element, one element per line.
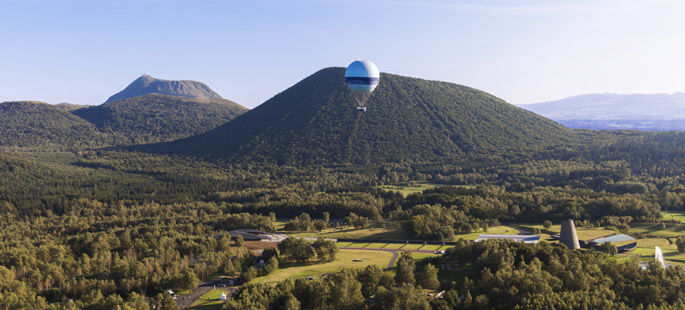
<point>412,246</point>
<point>392,246</point>
<point>419,256</point>
<point>359,245</point>
<point>657,229</point>
<point>583,233</point>
<point>645,251</point>
<point>593,233</point>
<point>182,292</point>
<point>377,245</point>
<point>209,301</point>
<point>353,233</point>
<point>344,259</point>
<point>431,247</point>
<point>415,187</point>
<point>673,216</point>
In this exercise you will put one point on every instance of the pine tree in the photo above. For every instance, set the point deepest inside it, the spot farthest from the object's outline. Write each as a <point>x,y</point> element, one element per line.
<point>429,277</point>
<point>405,269</point>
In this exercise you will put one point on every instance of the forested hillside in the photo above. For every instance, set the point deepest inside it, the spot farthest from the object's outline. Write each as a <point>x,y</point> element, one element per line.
<point>158,118</point>
<point>408,120</point>
<point>30,124</point>
<point>111,228</point>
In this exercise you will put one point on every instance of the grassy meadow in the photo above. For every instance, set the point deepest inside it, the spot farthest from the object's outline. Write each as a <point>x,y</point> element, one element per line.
<point>344,259</point>
<point>414,187</point>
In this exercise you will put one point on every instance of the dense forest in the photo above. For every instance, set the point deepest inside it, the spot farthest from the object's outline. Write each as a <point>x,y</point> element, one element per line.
<point>110,228</point>
<point>38,125</point>
<point>157,118</point>
<point>499,275</point>
<point>115,227</point>
<point>145,119</point>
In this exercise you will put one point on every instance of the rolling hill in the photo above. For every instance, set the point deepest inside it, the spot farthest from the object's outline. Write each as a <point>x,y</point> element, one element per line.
<point>31,124</point>
<point>408,120</point>
<point>616,111</point>
<point>149,85</point>
<point>156,118</point>
<point>70,106</point>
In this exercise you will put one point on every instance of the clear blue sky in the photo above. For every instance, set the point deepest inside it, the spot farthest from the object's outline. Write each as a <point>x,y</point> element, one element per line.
<point>83,51</point>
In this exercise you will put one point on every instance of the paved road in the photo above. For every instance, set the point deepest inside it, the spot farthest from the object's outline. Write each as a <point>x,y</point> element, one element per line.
<point>184,301</point>
<point>392,261</point>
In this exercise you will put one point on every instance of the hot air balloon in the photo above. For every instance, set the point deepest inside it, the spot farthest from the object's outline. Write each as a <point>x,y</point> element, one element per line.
<point>362,77</point>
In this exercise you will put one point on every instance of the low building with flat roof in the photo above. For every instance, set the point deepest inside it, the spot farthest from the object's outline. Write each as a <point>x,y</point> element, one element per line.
<point>612,238</point>
<point>533,239</point>
<point>250,234</point>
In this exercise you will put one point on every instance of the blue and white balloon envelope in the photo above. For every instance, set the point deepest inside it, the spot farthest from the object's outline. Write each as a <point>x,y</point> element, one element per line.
<point>362,77</point>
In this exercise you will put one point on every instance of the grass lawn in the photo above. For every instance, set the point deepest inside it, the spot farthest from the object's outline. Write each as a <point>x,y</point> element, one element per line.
<point>646,248</point>
<point>354,233</point>
<point>213,298</point>
<point>358,245</point>
<point>417,257</point>
<point>416,187</point>
<point>583,233</point>
<point>376,245</point>
<point>182,292</point>
<point>652,229</point>
<point>592,233</point>
<point>405,190</point>
<point>395,246</point>
<point>344,259</point>
<point>412,246</point>
<point>420,256</point>
<point>280,223</point>
<point>673,216</point>
<point>431,247</point>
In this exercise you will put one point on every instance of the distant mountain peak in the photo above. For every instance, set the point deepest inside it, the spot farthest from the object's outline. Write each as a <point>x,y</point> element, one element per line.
<point>146,84</point>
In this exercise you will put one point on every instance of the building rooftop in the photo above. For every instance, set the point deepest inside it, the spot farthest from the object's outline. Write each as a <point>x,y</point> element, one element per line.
<point>519,238</point>
<point>613,238</point>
